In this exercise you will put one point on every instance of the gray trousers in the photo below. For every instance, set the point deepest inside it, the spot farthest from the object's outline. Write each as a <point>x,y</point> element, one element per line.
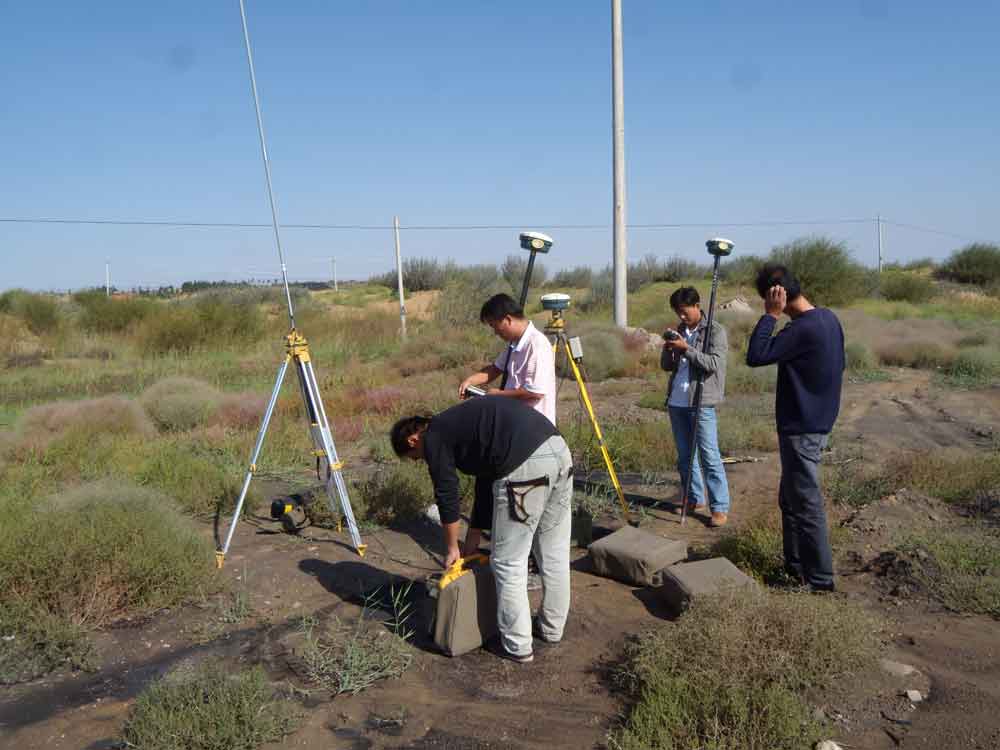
<point>542,528</point>
<point>803,517</point>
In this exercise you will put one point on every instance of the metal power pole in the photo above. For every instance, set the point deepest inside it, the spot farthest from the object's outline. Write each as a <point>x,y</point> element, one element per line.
<point>399,279</point>
<point>107,277</point>
<point>618,162</point>
<point>878,237</point>
<point>333,264</point>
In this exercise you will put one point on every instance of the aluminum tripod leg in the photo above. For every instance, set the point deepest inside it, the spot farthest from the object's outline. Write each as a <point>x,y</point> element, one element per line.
<point>220,555</point>
<point>585,397</point>
<point>319,428</point>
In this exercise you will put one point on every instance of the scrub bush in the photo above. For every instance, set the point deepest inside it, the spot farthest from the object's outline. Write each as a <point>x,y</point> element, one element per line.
<point>177,404</point>
<point>978,263</point>
<point>905,286</point>
<point>103,314</point>
<point>828,274</point>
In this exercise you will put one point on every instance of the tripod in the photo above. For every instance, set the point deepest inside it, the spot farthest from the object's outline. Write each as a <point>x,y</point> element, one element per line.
<point>556,327</point>
<point>328,465</point>
<point>717,248</point>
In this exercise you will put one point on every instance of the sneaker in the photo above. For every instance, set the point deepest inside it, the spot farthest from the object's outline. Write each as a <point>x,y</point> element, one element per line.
<point>516,658</point>
<point>719,519</point>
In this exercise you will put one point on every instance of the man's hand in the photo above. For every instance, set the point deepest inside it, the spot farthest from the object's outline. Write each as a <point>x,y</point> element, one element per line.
<point>775,301</point>
<point>452,557</point>
<point>678,344</point>
<point>463,385</point>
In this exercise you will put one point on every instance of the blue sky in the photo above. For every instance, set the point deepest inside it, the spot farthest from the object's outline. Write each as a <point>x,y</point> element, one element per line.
<point>458,113</point>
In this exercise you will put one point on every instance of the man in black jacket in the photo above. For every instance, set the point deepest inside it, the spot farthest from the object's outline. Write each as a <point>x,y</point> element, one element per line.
<point>809,352</point>
<point>523,473</point>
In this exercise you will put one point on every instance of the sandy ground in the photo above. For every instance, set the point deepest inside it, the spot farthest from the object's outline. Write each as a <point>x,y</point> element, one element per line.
<point>564,698</point>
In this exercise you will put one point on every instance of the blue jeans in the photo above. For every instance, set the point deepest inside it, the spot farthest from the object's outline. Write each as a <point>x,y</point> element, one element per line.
<point>803,517</point>
<point>707,460</point>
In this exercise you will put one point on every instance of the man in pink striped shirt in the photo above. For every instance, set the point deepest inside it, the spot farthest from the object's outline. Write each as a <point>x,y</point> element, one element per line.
<point>527,366</point>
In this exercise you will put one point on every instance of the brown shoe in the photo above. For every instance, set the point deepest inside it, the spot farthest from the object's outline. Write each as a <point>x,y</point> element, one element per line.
<point>719,519</point>
<point>692,509</point>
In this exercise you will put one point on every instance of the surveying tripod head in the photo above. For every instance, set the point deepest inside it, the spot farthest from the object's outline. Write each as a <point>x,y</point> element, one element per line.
<point>719,247</point>
<point>556,303</point>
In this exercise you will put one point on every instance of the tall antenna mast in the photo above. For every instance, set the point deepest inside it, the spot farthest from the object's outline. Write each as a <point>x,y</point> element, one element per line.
<point>267,166</point>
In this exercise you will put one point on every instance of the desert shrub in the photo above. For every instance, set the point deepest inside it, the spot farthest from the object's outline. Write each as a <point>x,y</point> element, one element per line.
<point>860,358</point>
<point>757,550</point>
<point>16,340</point>
<point>40,312</point>
<point>855,483</point>
<point>916,353</point>
<point>961,569</point>
<point>462,298</point>
<point>604,353</point>
<point>978,263</point>
<point>601,294</point>
<point>36,642</point>
<point>977,366</point>
<point>419,275</point>
<point>959,477</point>
<point>578,277</point>
<point>80,421</point>
<point>683,700</point>
<point>828,274</point>
<point>395,493</point>
<point>973,339</point>
<point>211,707</point>
<point>105,314</point>
<point>641,447</point>
<point>905,286</point>
<point>194,473</point>
<point>746,427</point>
<point>215,319</point>
<point>513,269</point>
<point>87,557</point>
<point>741,379</point>
<point>177,404</point>
<point>741,269</point>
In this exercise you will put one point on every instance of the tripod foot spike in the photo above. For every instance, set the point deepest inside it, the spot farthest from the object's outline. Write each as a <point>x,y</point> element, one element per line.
<point>362,548</point>
<point>220,559</point>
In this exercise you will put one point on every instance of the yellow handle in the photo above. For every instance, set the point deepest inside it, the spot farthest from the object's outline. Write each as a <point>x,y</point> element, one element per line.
<point>460,567</point>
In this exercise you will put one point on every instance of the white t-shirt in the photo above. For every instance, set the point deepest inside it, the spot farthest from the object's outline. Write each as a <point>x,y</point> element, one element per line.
<point>532,366</point>
<point>679,394</point>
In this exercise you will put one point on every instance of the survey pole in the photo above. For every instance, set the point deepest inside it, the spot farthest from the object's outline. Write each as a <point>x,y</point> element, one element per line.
<point>618,167</point>
<point>399,278</point>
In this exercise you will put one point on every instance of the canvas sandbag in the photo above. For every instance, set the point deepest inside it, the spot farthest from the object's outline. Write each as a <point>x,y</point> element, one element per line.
<point>635,556</point>
<point>466,614</point>
<point>687,582</point>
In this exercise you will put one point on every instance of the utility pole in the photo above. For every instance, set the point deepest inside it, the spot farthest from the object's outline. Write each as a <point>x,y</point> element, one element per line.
<point>107,277</point>
<point>399,279</point>
<point>333,263</point>
<point>618,165</point>
<point>878,237</point>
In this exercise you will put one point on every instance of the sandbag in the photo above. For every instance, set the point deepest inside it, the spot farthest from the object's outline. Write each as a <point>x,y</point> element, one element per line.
<point>466,614</point>
<point>687,582</point>
<point>634,556</point>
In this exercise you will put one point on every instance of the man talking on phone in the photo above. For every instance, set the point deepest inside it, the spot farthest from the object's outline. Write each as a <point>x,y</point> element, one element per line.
<point>809,352</point>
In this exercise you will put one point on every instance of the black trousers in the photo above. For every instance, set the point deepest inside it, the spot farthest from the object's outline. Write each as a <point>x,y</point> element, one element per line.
<point>803,517</point>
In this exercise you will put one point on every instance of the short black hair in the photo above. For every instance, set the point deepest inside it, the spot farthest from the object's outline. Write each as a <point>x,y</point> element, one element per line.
<point>686,296</point>
<point>774,274</point>
<point>404,428</point>
<point>498,307</point>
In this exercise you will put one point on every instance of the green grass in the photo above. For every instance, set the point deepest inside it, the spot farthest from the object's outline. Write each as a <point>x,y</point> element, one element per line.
<point>696,684</point>
<point>961,569</point>
<point>757,550</point>
<point>209,708</point>
<point>81,559</point>
<point>974,367</point>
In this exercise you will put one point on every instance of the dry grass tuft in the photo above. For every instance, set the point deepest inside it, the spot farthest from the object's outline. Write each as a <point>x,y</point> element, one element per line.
<point>178,404</point>
<point>40,426</point>
<point>683,700</point>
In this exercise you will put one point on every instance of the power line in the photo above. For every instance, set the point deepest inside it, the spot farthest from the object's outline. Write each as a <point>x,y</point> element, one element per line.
<point>929,230</point>
<point>416,227</point>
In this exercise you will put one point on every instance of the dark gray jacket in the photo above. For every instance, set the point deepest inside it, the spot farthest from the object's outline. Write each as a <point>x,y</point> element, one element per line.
<point>711,366</point>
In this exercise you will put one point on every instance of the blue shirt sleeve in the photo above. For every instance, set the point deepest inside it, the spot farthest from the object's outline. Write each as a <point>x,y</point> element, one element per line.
<point>765,349</point>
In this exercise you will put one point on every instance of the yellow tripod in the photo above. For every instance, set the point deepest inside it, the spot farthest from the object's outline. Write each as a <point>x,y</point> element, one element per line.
<point>556,327</point>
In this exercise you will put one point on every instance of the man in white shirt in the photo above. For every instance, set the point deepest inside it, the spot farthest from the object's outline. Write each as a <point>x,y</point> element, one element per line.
<point>527,366</point>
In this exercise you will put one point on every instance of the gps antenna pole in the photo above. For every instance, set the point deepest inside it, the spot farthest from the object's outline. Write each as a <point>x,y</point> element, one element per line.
<point>717,248</point>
